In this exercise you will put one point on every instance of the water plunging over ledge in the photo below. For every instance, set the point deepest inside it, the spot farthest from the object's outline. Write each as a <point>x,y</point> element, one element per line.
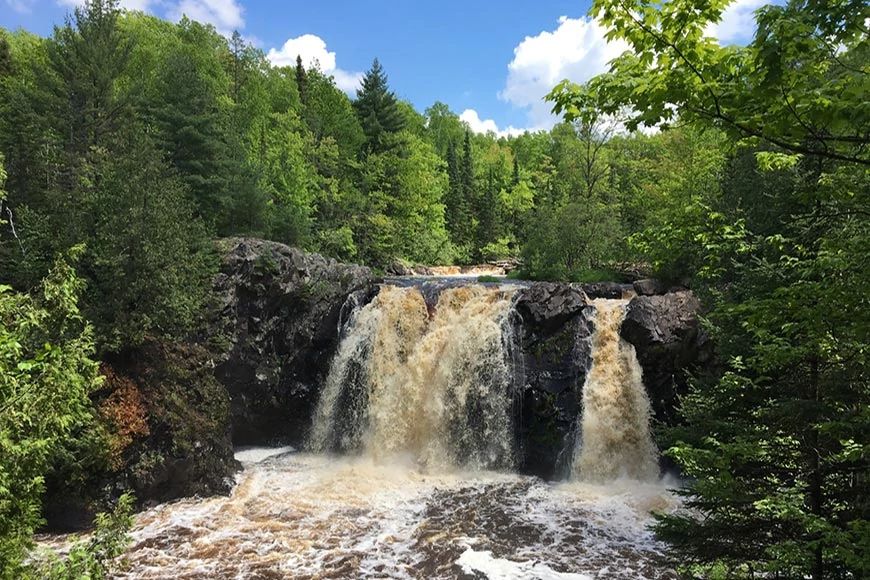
<point>438,388</point>
<point>615,439</point>
<point>419,405</point>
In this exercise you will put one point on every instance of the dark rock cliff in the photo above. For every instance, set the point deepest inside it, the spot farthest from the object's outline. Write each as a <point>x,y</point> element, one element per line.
<point>557,321</point>
<point>669,342</point>
<point>275,330</point>
<point>553,326</point>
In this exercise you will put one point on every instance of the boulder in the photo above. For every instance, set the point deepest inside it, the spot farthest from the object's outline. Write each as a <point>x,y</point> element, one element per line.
<point>665,332</point>
<point>275,330</point>
<point>607,290</point>
<point>552,328</point>
<point>649,287</point>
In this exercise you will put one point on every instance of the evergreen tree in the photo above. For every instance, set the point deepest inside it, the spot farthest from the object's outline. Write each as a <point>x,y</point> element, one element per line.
<point>488,215</point>
<point>377,109</point>
<point>5,58</point>
<point>189,115</point>
<point>467,193</point>
<point>88,55</point>
<point>148,258</point>
<point>456,210</point>
<point>301,80</point>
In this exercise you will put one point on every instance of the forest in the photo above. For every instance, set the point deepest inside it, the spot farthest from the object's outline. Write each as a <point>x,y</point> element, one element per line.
<point>129,143</point>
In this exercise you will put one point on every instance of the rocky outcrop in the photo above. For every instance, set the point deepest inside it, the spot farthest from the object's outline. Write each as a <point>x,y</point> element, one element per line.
<point>665,332</point>
<point>275,330</point>
<point>552,327</point>
<point>184,447</point>
<point>554,324</point>
<point>165,427</point>
<point>607,290</point>
<point>649,287</point>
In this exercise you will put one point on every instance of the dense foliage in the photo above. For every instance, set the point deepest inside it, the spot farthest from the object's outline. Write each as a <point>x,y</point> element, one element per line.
<point>182,134</point>
<point>130,142</point>
<point>46,376</point>
<point>777,443</point>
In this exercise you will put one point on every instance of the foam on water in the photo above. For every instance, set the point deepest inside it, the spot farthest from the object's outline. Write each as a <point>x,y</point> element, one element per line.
<point>258,454</point>
<point>500,569</point>
<point>294,515</point>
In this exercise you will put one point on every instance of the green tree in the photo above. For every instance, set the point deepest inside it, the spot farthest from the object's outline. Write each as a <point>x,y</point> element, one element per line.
<point>301,79</point>
<point>46,376</point>
<point>378,109</point>
<point>148,258</point>
<point>189,115</point>
<point>444,129</point>
<point>775,446</point>
<point>330,114</point>
<point>405,186</point>
<point>88,55</point>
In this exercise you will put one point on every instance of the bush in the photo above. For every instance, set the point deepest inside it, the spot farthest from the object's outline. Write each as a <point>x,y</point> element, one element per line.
<point>46,377</point>
<point>95,557</point>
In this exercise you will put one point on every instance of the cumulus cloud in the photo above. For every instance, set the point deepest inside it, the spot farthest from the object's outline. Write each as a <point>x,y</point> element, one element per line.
<point>224,15</point>
<point>20,6</point>
<point>314,53</point>
<point>575,50</point>
<point>738,22</point>
<point>478,125</point>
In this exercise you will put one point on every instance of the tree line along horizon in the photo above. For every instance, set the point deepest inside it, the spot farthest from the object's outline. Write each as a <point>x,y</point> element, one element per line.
<point>128,143</point>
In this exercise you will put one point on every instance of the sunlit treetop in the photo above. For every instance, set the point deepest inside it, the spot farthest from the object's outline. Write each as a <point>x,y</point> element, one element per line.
<point>801,84</point>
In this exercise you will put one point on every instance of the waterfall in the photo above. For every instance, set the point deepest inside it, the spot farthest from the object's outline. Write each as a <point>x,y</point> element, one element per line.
<point>436,387</point>
<point>615,439</point>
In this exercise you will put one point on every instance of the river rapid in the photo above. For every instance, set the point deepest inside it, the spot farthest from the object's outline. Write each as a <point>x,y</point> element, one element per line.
<point>300,515</point>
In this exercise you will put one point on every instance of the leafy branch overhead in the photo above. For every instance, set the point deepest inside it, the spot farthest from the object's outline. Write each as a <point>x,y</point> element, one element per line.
<point>800,85</point>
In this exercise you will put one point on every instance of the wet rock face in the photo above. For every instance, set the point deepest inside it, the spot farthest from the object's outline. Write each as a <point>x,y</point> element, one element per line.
<point>554,330</point>
<point>187,448</point>
<point>554,323</point>
<point>275,330</point>
<point>665,332</point>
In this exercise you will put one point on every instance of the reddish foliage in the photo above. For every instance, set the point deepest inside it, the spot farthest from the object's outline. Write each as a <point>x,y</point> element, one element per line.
<point>124,413</point>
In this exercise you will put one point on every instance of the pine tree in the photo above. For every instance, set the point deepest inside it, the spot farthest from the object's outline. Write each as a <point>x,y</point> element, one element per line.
<point>193,135</point>
<point>487,212</point>
<point>88,55</point>
<point>301,79</point>
<point>237,52</point>
<point>467,191</point>
<point>5,58</point>
<point>457,211</point>
<point>377,109</point>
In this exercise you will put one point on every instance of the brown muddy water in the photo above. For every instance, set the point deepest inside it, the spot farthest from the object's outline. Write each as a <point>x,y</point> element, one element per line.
<point>298,515</point>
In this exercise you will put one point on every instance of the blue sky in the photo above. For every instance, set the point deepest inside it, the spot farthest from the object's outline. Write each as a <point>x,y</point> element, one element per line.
<point>489,61</point>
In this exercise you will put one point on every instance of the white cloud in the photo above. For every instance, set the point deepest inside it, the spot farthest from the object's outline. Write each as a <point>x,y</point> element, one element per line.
<point>224,15</point>
<point>576,50</point>
<point>313,51</point>
<point>737,25</point>
<point>478,125</point>
<point>20,6</point>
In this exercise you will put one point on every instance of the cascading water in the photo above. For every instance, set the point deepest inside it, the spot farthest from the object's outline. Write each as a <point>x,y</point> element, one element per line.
<point>615,439</point>
<point>439,388</point>
<point>421,400</point>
